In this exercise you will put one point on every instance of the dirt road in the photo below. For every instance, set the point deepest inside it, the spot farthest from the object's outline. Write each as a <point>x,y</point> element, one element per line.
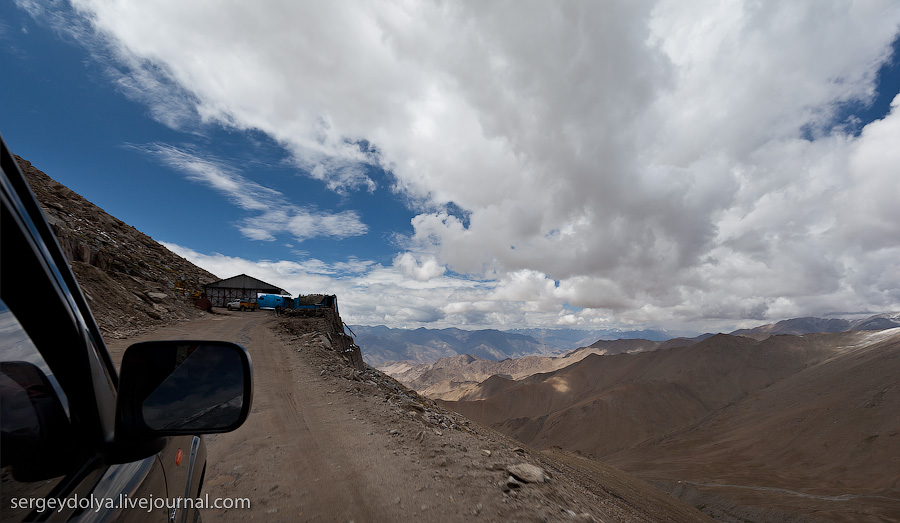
<point>302,453</point>
<point>323,443</point>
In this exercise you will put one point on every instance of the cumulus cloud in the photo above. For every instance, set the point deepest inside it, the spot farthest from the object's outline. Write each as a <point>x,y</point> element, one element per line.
<point>423,271</point>
<point>646,161</point>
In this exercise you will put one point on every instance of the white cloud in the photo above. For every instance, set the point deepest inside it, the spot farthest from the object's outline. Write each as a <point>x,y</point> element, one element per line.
<point>647,156</point>
<point>273,213</point>
<point>424,271</point>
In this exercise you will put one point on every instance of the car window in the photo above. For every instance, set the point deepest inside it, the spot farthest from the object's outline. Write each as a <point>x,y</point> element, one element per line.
<point>34,416</point>
<point>61,326</point>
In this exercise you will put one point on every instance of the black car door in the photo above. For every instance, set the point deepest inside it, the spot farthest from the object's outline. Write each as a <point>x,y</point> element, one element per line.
<point>57,383</point>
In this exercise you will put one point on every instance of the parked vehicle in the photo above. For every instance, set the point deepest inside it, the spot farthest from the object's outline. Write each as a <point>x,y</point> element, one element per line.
<point>242,305</point>
<point>72,427</point>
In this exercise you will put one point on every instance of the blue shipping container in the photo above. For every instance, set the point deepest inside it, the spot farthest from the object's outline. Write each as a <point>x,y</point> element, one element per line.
<point>271,301</point>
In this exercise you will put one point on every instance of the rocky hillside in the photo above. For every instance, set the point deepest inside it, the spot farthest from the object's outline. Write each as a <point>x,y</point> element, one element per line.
<point>128,279</point>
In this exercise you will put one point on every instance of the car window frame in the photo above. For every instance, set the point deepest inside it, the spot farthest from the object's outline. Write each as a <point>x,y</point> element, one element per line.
<point>51,266</point>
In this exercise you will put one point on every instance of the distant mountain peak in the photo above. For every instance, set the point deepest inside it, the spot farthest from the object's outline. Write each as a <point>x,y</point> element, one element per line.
<point>810,325</point>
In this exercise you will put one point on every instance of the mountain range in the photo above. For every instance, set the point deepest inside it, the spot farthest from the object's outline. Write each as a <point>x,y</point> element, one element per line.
<point>810,325</point>
<point>401,349</point>
<point>450,378</point>
<point>383,345</point>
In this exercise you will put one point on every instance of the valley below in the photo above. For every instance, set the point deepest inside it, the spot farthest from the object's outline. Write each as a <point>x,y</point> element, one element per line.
<point>785,428</point>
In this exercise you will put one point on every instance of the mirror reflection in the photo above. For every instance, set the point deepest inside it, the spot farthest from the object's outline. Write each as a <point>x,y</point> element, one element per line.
<point>204,391</point>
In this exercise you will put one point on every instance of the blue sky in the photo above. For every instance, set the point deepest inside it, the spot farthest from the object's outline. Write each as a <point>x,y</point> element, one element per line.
<point>71,120</point>
<point>616,165</point>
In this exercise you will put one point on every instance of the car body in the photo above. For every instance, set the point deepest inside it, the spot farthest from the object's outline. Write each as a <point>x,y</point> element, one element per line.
<point>72,427</point>
<point>242,305</point>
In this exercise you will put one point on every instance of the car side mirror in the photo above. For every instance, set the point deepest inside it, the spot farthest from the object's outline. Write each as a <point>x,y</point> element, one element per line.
<point>170,388</point>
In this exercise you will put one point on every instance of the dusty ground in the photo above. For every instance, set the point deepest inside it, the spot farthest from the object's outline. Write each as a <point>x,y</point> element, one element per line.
<point>326,444</point>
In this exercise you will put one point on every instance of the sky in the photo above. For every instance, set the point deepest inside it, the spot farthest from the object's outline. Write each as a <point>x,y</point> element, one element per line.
<point>691,166</point>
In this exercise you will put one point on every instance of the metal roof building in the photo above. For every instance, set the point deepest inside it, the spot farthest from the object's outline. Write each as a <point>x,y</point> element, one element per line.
<point>237,288</point>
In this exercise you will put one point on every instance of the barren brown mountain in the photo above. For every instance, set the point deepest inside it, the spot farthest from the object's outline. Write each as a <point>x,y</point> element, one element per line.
<point>831,431</point>
<point>787,428</point>
<point>453,378</point>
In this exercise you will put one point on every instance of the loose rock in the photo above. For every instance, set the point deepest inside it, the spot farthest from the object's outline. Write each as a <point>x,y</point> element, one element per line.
<point>527,472</point>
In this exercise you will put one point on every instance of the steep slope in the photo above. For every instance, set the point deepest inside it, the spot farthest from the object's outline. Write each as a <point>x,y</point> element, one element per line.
<point>647,394</point>
<point>792,426</point>
<point>829,432</point>
<point>128,279</point>
<point>853,394</point>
